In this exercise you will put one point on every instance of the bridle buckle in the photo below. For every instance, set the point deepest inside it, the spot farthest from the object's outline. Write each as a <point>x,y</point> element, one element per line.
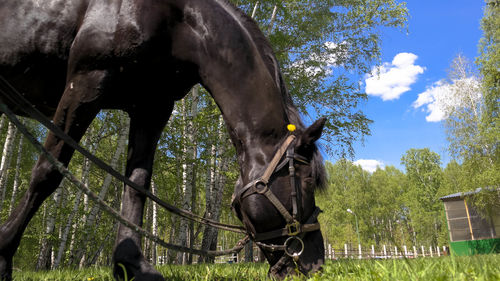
<point>293,228</point>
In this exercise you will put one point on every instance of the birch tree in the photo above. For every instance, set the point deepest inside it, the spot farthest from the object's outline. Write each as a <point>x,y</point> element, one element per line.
<point>5,161</point>
<point>188,179</point>
<point>17,176</point>
<point>44,256</point>
<point>214,188</point>
<point>89,223</point>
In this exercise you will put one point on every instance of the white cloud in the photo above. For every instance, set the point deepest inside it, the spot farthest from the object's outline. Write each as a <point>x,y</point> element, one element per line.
<point>369,165</point>
<point>391,80</point>
<point>431,101</point>
<point>442,98</point>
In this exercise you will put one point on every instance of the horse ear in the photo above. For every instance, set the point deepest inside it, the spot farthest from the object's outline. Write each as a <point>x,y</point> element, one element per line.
<point>305,144</point>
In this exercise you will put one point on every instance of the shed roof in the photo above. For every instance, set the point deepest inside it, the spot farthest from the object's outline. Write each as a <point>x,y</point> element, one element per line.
<point>459,195</point>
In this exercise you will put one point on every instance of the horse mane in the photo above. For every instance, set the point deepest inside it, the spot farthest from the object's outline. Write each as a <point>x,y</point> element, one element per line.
<point>267,54</point>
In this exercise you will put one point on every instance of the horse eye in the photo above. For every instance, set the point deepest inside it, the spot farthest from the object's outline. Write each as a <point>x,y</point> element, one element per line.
<point>309,181</point>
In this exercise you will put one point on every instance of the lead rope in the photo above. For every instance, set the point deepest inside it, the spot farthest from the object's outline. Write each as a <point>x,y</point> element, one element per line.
<point>9,92</point>
<point>85,189</point>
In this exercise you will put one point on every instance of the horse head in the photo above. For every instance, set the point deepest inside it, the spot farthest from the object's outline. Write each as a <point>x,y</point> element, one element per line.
<point>278,208</point>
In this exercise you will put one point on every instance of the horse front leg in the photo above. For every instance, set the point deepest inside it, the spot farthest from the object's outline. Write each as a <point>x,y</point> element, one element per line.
<point>74,114</point>
<point>145,131</point>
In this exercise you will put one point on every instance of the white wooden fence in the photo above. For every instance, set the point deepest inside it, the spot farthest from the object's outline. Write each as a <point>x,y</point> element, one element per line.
<point>384,252</point>
<point>349,252</point>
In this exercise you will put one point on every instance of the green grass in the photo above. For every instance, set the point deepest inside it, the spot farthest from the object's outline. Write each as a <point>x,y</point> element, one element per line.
<point>484,267</point>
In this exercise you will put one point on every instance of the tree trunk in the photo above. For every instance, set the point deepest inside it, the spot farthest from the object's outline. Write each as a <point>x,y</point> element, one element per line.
<point>208,233</point>
<point>2,122</point>
<point>91,219</point>
<point>171,254</point>
<point>44,256</point>
<point>189,150</point>
<point>271,22</point>
<point>154,226</point>
<point>17,181</point>
<point>249,252</point>
<point>5,161</point>
<point>76,204</point>
<point>66,230</point>
<point>214,190</point>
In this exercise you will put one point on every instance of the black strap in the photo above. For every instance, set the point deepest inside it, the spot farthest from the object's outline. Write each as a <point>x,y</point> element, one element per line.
<point>295,190</point>
<point>309,226</point>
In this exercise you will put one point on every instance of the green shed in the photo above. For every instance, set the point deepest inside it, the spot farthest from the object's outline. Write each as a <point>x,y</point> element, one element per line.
<point>470,233</point>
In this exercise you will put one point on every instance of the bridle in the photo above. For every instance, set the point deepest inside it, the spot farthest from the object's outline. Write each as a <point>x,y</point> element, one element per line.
<point>294,229</point>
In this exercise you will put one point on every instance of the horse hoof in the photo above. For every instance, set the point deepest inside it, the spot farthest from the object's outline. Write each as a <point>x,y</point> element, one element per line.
<point>130,263</point>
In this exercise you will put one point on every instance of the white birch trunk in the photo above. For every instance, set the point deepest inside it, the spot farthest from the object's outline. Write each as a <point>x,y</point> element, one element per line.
<point>66,231</point>
<point>215,189</point>
<point>91,219</point>
<point>154,225</point>
<point>209,201</point>
<point>69,223</point>
<point>5,161</point>
<point>189,150</point>
<point>172,255</point>
<point>44,256</point>
<point>255,9</point>
<point>17,182</point>
<point>2,122</point>
<point>273,17</point>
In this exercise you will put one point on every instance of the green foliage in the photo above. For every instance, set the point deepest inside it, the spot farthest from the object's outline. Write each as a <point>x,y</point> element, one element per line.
<point>392,207</point>
<point>325,48</point>
<point>489,60</point>
<point>376,199</point>
<point>473,125</point>
<point>424,176</point>
<point>484,169</point>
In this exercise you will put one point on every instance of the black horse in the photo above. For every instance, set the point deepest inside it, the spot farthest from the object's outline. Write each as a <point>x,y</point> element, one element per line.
<point>72,58</point>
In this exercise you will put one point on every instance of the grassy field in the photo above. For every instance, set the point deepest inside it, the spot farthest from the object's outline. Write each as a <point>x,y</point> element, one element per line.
<point>485,267</point>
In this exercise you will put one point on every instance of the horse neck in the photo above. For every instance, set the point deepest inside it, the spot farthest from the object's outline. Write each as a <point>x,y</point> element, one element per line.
<point>229,56</point>
<point>253,110</point>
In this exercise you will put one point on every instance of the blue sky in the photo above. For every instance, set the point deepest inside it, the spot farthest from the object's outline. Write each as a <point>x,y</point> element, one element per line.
<point>413,63</point>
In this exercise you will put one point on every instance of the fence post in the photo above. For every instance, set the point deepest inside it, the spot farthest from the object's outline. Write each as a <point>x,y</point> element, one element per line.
<point>415,254</point>
<point>333,253</point>
<point>330,251</point>
<point>406,251</point>
<point>345,250</point>
<point>437,250</point>
<point>396,251</point>
<point>373,251</point>
<point>385,252</point>
<point>360,253</point>
<point>430,250</point>
<point>423,251</point>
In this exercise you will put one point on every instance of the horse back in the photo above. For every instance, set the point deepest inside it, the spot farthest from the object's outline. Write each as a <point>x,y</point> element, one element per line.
<point>45,27</point>
<point>35,41</point>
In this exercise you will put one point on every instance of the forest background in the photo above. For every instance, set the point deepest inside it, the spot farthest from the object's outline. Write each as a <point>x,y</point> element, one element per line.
<point>195,165</point>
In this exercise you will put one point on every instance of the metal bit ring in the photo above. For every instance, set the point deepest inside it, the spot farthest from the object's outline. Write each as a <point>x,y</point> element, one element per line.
<point>288,243</point>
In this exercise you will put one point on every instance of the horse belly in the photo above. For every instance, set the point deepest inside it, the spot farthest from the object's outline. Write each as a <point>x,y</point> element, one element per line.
<point>41,81</point>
